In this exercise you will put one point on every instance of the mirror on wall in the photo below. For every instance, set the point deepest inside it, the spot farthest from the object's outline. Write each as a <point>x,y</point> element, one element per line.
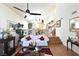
<point>74,24</point>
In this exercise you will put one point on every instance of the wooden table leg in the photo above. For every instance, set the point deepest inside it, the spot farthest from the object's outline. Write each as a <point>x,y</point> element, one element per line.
<point>71,46</point>
<point>67,45</point>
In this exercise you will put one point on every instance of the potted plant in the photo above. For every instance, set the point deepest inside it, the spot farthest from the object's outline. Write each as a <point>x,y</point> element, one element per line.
<point>19,30</point>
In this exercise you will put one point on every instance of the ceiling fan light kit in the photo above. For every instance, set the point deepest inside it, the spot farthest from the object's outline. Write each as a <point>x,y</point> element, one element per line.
<point>28,11</point>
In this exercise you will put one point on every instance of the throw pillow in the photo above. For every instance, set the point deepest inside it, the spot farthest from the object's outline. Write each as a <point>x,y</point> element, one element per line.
<point>41,38</point>
<point>28,38</point>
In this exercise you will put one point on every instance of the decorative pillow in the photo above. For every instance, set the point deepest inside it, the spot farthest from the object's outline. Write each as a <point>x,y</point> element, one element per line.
<point>28,38</point>
<point>41,38</point>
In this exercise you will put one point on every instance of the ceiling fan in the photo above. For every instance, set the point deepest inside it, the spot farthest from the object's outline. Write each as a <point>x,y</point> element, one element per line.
<point>26,11</point>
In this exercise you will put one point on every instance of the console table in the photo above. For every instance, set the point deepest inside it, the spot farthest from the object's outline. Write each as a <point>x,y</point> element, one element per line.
<point>72,43</point>
<point>5,48</point>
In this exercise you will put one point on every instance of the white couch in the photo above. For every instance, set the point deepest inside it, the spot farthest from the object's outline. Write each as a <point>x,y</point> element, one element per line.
<point>35,40</point>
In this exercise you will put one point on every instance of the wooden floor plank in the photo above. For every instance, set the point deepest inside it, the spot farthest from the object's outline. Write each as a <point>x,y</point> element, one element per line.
<point>58,49</point>
<point>61,50</point>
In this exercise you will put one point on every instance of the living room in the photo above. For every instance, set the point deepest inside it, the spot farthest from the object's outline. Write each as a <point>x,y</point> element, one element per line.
<point>51,13</point>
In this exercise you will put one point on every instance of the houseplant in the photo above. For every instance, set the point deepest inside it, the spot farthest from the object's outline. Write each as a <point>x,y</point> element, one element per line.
<point>19,30</point>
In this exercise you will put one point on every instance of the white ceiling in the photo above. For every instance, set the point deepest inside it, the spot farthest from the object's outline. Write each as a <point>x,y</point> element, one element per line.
<point>44,8</point>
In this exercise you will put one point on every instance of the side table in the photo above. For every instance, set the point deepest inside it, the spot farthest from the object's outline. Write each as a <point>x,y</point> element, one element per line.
<point>72,42</point>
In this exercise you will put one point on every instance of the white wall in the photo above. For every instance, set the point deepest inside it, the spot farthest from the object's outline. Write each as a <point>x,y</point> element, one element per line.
<point>65,11</point>
<point>7,14</point>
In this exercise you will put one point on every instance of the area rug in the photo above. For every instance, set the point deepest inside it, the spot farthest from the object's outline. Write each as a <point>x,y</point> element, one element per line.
<point>43,50</point>
<point>46,51</point>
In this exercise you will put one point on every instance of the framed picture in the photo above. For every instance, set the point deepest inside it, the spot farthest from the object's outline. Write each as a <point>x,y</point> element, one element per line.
<point>74,24</point>
<point>58,23</point>
<point>11,24</point>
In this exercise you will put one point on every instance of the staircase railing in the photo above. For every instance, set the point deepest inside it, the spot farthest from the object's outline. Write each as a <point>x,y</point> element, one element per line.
<point>54,23</point>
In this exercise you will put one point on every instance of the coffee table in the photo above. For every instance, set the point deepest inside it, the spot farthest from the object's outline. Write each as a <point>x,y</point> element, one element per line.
<point>27,52</point>
<point>33,51</point>
<point>38,51</point>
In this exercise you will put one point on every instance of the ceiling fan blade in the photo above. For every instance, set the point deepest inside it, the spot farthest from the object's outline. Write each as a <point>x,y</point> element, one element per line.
<point>19,9</point>
<point>35,14</point>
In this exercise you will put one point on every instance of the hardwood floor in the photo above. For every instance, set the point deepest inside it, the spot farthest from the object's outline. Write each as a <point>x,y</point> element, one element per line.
<point>58,49</point>
<point>61,50</point>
